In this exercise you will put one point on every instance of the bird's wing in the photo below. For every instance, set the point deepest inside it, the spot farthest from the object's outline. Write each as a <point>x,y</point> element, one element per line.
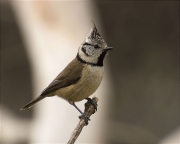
<point>70,75</point>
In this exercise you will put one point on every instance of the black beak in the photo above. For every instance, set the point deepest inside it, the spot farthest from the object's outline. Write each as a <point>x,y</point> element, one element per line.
<point>108,48</point>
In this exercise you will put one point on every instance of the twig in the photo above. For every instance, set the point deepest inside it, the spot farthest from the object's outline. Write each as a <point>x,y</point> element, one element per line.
<point>89,110</point>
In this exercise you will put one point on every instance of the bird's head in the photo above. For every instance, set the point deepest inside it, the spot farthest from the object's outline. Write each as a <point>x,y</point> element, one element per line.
<point>94,48</point>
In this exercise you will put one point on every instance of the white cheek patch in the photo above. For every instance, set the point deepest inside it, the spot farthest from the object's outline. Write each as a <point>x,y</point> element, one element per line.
<point>90,51</point>
<point>89,59</point>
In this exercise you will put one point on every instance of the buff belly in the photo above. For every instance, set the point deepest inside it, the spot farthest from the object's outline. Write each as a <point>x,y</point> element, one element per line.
<point>87,85</point>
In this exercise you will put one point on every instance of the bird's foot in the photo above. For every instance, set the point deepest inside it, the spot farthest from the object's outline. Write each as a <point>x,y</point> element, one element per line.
<point>86,118</point>
<point>93,102</point>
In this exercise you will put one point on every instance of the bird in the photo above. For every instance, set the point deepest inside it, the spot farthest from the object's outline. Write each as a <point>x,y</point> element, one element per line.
<point>82,76</point>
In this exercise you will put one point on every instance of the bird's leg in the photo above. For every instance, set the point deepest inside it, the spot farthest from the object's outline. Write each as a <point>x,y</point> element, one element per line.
<point>86,118</point>
<point>93,102</point>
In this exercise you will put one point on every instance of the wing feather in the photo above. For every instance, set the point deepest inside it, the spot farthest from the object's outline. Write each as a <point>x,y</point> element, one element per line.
<point>70,75</point>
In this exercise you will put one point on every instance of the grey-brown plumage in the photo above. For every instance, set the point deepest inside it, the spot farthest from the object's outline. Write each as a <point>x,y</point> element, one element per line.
<point>69,76</point>
<point>82,76</point>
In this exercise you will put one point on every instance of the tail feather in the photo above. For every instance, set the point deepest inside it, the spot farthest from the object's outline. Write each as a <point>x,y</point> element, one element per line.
<point>30,104</point>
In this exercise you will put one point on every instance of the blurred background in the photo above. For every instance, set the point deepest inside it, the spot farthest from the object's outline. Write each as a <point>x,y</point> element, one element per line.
<point>139,96</point>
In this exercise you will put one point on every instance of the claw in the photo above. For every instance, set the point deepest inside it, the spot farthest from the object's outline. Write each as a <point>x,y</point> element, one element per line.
<point>86,118</point>
<point>93,102</point>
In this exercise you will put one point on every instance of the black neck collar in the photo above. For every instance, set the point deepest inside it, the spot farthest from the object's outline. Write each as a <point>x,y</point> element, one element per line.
<point>99,63</point>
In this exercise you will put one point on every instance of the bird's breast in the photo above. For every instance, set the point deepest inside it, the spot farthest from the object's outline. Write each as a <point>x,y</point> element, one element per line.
<point>87,85</point>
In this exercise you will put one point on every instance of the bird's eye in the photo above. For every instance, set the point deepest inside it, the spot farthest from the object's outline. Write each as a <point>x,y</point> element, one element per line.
<point>96,46</point>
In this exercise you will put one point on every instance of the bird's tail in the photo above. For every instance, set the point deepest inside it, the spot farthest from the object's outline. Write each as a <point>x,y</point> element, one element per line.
<point>30,104</point>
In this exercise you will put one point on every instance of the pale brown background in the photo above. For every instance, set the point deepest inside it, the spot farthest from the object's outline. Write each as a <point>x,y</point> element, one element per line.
<point>144,67</point>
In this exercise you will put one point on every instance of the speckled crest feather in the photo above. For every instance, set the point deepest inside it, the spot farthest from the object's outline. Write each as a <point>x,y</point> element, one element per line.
<point>95,37</point>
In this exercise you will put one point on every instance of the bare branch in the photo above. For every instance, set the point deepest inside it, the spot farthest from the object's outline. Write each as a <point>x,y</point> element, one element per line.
<point>89,110</point>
